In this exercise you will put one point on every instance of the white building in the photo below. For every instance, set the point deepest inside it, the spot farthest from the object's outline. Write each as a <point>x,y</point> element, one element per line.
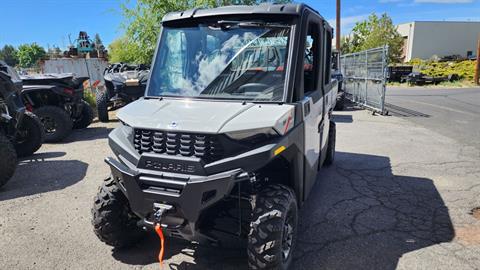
<point>426,39</point>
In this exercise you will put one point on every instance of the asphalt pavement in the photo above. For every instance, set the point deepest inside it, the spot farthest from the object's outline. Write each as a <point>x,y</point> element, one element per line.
<point>452,112</point>
<point>399,195</point>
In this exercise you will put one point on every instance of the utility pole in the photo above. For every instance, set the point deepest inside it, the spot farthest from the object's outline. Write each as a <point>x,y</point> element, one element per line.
<point>477,66</point>
<point>339,14</point>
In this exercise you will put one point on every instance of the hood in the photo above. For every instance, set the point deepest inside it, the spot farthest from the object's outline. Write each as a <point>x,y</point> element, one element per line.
<point>198,116</point>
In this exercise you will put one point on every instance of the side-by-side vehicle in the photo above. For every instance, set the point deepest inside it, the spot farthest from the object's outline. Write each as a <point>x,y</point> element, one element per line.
<point>236,123</point>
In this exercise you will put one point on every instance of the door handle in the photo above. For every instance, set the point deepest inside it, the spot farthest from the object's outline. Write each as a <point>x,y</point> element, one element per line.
<point>320,126</point>
<point>306,106</point>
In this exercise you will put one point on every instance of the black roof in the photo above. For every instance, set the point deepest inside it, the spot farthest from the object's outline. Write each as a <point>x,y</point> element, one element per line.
<point>263,9</point>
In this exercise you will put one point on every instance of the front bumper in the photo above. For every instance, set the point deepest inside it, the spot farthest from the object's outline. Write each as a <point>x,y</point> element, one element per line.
<point>189,196</point>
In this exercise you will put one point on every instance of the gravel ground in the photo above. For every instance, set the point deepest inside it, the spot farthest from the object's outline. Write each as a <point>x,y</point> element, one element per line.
<point>398,196</point>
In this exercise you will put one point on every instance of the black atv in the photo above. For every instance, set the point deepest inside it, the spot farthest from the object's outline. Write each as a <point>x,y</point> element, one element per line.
<point>124,83</point>
<point>21,132</point>
<point>58,100</point>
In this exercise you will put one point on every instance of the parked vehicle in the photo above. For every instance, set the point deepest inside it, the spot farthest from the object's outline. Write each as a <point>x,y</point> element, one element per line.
<point>337,75</point>
<point>57,99</point>
<point>223,127</point>
<point>124,83</point>
<point>21,133</point>
<point>399,73</point>
<point>418,78</point>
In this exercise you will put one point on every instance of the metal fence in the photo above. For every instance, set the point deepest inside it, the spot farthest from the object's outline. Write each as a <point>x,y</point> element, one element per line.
<point>92,68</point>
<point>365,77</point>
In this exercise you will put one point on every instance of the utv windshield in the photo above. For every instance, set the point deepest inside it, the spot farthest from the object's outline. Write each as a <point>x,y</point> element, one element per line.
<point>234,61</point>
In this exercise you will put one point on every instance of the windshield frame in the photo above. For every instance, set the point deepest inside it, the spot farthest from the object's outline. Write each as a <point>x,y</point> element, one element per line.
<point>287,24</point>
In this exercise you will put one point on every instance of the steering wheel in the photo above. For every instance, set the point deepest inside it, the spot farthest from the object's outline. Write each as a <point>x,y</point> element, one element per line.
<point>260,87</point>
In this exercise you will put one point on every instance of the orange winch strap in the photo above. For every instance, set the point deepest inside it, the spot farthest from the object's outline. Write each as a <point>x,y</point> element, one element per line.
<point>159,231</point>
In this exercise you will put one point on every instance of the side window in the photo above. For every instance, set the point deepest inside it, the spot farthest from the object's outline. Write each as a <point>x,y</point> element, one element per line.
<point>311,61</point>
<point>328,56</point>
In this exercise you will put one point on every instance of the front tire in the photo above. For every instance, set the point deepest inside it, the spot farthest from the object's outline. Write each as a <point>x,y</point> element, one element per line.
<point>31,135</point>
<point>8,158</point>
<point>86,117</point>
<point>102,105</point>
<point>113,221</point>
<point>273,229</point>
<point>332,138</point>
<point>56,122</point>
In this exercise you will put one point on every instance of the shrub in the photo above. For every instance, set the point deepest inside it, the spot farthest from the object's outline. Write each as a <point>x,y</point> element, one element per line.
<point>89,97</point>
<point>464,69</point>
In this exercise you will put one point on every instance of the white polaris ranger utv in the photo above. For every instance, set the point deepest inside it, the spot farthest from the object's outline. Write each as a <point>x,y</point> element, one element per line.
<point>236,115</point>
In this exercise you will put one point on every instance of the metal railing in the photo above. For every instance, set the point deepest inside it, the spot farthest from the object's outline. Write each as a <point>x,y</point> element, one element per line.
<point>365,77</point>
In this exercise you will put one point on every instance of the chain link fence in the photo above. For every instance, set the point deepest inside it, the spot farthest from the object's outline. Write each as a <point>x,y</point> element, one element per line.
<point>365,77</point>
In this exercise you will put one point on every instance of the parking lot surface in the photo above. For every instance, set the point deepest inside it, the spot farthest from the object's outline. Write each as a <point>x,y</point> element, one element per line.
<point>453,112</point>
<point>399,196</point>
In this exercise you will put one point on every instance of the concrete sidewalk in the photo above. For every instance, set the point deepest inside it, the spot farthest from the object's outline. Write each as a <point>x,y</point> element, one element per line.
<point>398,196</point>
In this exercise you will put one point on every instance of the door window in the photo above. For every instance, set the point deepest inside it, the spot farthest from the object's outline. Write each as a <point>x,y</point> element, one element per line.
<point>328,59</point>
<point>311,59</point>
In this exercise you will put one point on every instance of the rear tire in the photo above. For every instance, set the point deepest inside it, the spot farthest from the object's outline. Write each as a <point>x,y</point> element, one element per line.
<point>332,134</point>
<point>272,236</point>
<point>8,157</point>
<point>56,122</point>
<point>102,105</point>
<point>31,136</point>
<point>340,106</point>
<point>113,221</point>
<point>86,117</point>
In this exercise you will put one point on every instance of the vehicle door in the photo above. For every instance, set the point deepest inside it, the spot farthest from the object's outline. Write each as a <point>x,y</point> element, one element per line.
<point>312,102</point>
<point>329,88</point>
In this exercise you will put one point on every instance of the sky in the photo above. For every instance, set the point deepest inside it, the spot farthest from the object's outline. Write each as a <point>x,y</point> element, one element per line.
<point>50,22</point>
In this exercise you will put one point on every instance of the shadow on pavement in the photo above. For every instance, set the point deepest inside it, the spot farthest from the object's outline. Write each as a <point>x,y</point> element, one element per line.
<point>37,174</point>
<point>88,134</point>
<point>398,111</point>
<point>359,216</point>
<point>350,106</point>
<point>342,118</point>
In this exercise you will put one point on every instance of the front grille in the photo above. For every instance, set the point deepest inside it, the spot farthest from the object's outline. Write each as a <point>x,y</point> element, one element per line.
<point>204,146</point>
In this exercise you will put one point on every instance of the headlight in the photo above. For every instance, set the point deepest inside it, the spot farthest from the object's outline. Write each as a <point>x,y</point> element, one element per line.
<point>253,134</point>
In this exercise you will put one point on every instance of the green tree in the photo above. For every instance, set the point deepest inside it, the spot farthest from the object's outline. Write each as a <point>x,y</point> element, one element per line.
<point>120,50</point>
<point>98,40</point>
<point>9,54</point>
<point>30,54</point>
<point>372,33</point>
<point>142,23</point>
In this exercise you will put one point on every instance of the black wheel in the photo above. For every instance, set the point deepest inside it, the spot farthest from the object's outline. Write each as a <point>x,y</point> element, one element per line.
<point>340,102</point>
<point>30,135</point>
<point>56,123</point>
<point>113,221</point>
<point>273,229</point>
<point>102,105</point>
<point>86,117</point>
<point>332,134</point>
<point>8,157</point>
